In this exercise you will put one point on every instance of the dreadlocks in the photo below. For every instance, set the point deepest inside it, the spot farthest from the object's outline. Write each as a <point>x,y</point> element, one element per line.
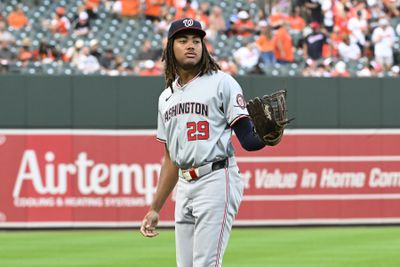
<point>207,63</point>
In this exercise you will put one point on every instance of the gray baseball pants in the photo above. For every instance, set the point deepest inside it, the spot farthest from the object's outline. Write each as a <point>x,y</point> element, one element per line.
<point>204,214</point>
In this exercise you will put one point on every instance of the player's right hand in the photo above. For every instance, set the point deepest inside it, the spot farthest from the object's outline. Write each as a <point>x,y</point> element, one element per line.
<point>150,221</point>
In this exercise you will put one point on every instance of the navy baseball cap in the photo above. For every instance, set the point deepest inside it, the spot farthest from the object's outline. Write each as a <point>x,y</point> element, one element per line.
<point>185,24</point>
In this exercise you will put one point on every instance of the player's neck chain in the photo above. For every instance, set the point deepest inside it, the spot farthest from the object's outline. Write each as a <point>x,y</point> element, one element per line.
<point>180,84</point>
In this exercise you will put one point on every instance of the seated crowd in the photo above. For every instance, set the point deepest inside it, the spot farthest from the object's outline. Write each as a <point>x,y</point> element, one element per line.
<point>318,38</point>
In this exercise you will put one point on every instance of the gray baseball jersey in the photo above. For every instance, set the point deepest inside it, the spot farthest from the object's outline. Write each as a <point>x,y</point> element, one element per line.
<point>194,120</point>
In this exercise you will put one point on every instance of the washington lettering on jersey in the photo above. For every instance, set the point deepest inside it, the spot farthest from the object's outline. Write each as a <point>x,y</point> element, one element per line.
<point>186,108</point>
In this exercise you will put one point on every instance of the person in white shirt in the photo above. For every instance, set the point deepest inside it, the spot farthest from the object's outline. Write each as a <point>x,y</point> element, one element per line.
<point>348,50</point>
<point>326,6</point>
<point>87,63</point>
<point>383,37</point>
<point>247,56</point>
<point>358,27</point>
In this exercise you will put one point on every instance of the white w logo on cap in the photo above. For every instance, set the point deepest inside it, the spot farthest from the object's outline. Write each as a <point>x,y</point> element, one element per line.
<point>188,22</point>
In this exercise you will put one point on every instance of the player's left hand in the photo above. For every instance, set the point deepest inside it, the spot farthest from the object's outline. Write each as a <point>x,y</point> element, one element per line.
<point>150,221</point>
<point>269,116</point>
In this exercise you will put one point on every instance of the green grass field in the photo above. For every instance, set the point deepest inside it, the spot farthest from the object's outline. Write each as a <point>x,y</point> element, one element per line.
<point>271,247</point>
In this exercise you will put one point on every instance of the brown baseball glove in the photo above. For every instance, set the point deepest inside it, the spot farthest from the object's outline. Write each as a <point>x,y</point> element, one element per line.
<point>269,115</point>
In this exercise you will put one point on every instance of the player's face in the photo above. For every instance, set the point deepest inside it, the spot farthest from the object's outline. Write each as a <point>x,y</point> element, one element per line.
<point>187,50</point>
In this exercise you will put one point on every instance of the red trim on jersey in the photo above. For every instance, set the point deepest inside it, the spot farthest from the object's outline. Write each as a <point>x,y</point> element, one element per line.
<point>238,118</point>
<point>161,140</point>
<point>225,215</point>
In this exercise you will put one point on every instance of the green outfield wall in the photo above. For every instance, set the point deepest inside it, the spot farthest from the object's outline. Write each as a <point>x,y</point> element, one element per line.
<point>102,102</point>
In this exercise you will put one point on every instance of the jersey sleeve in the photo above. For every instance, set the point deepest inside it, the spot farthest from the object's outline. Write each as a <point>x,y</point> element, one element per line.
<point>161,134</point>
<point>233,100</point>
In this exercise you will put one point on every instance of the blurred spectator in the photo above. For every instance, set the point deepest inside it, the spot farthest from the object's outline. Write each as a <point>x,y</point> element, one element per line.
<point>314,42</point>
<point>6,55</point>
<point>91,8</point>
<point>60,23</point>
<point>281,6</point>
<point>327,12</point>
<point>265,44</point>
<point>340,70</point>
<point>358,27</point>
<point>393,7</point>
<point>94,51</point>
<point>296,21</point>
<point>82,27</point>
<point>349,50</point>
<point>5,35</point>
<point>90,12</point>
<point>276,17</point>
<point>44,52</point>
<point>72,54</point>
<point>203,13</point>
<point>315,69</point>
<point>25,53</point>
<point>228,66</point>
<point>130,8</point>
<point>315,10</point>
<point>244,26</point>
<point>185,11</point>
<point>147,52</point>
<point>153,9</point>
<point>107,59</point>
<point>149,68</point>
<point>383,37</point>
<point>86,62</point>
<point>369,70</point>
<point>55,52</point>
<point>247,56</point>
<point>119,64</point>
<point>125,8</point>
<point>216,23</point>
<point>283,44</point>
<point>340,10</point>
<point>376,10</point>
<point>395,71</point>
<point>93,4</point>
<point>17,18</point>
<point>336,37</point>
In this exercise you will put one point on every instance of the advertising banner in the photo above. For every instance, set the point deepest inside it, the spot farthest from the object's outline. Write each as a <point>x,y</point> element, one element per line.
<point>107,178</point>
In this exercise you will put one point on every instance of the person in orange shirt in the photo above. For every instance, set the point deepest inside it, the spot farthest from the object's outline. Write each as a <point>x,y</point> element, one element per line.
<point>25,54</point>
<point>296,21</point>
<point>265,44</point>
<point>130,8</point>
<point>94,4</point>
<point>276,17</point>
<point>336,37</point>
<point>60,23</point>
<point>283,45</point>
<point>244,26</point>
<point>17,18</point>
<point>153,9</point>
<point>186,11</point>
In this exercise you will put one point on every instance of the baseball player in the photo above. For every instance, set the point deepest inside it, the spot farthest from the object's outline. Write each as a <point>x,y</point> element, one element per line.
<point>196,114</point>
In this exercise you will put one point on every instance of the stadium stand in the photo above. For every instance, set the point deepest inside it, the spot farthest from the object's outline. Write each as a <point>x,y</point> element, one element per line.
<point>43,43</point>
